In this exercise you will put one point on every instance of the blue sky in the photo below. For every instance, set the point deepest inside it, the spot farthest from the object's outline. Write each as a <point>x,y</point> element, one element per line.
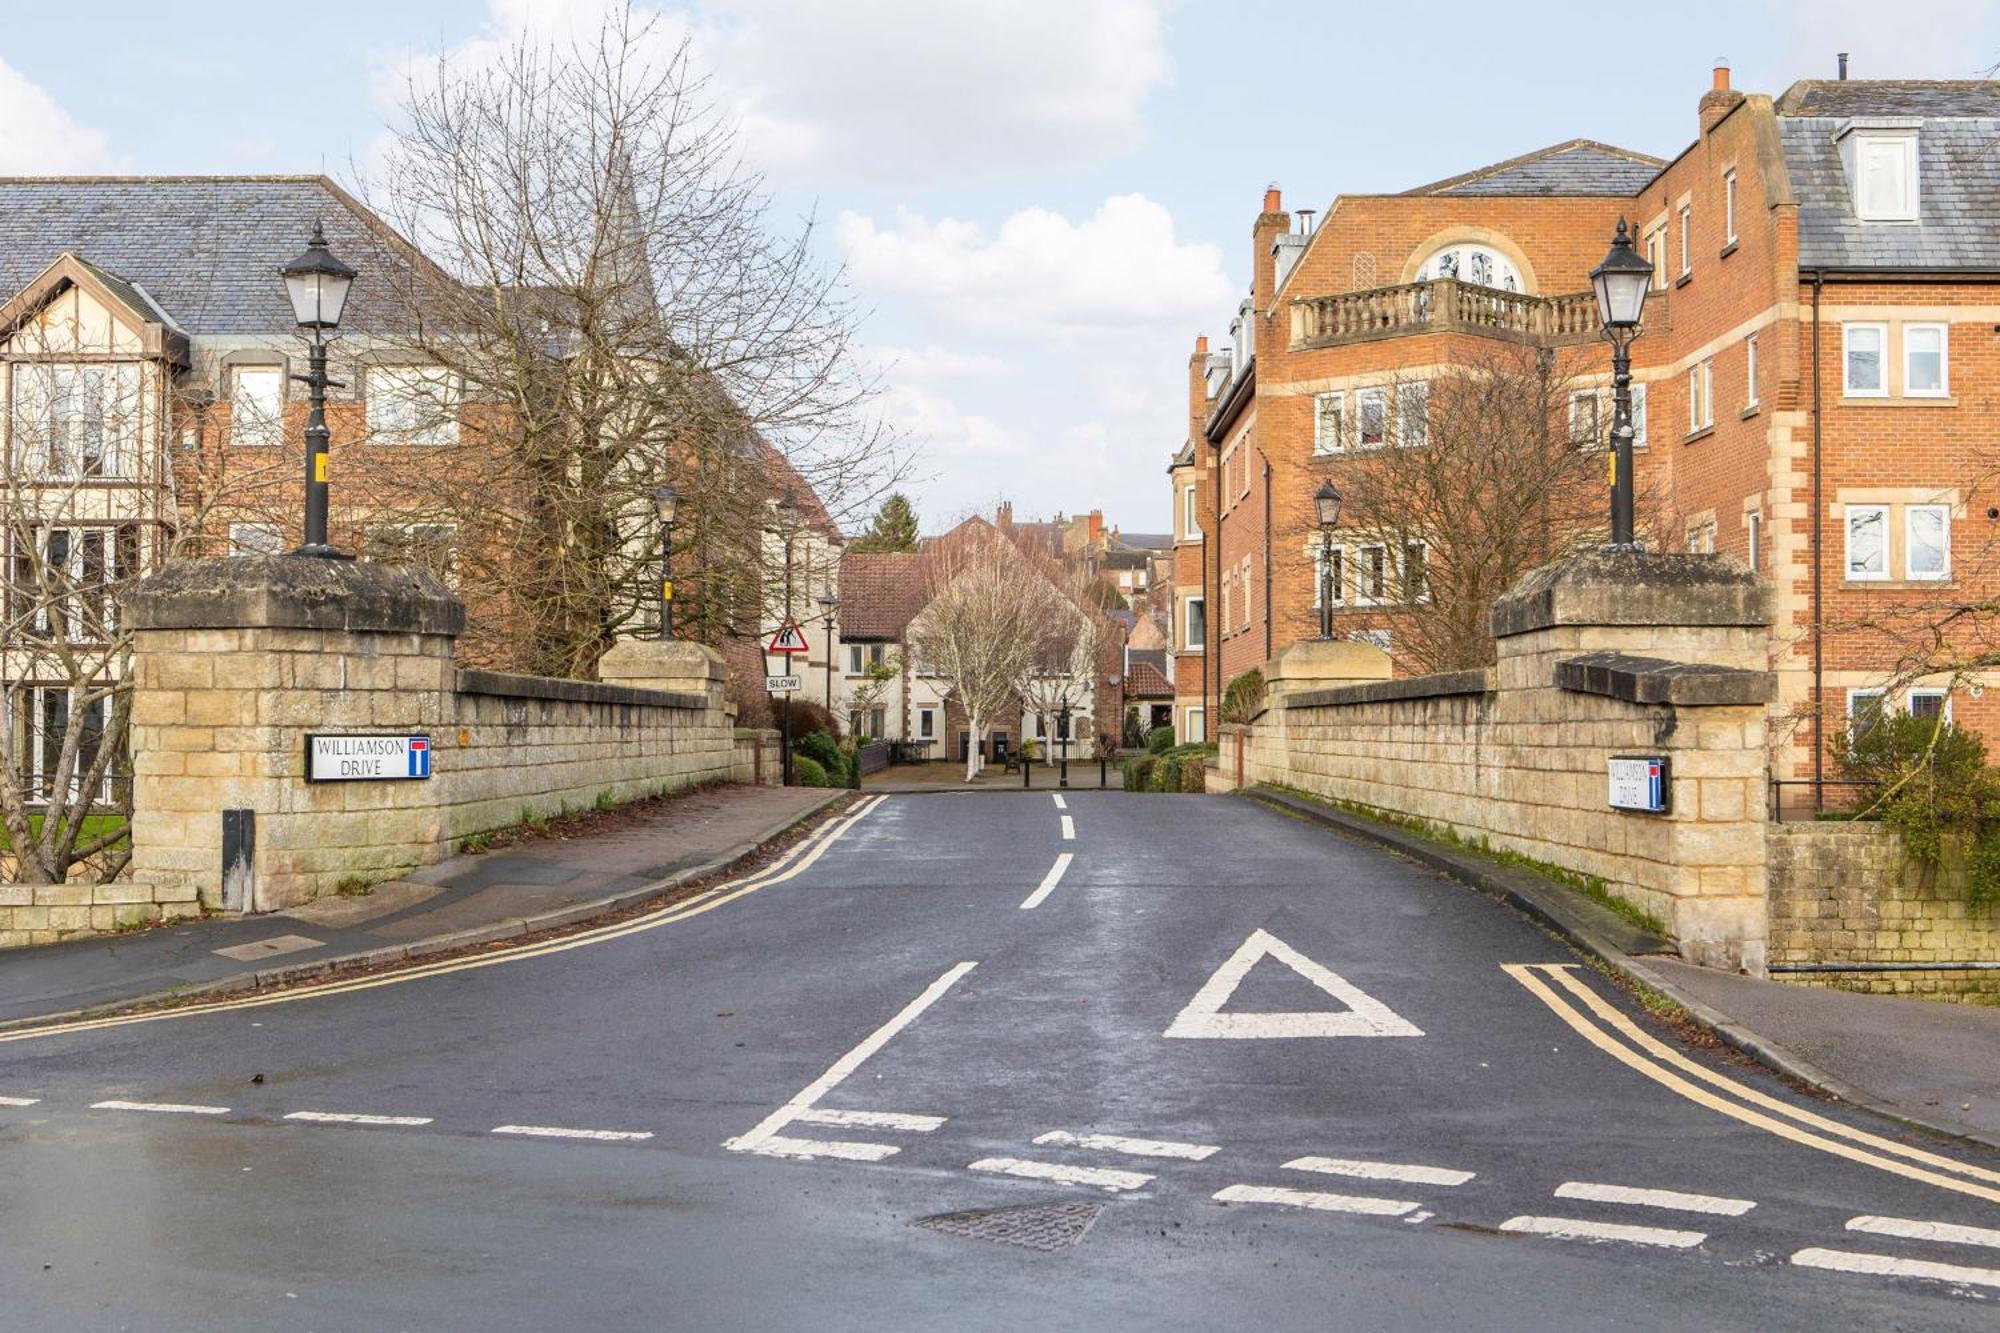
<point>1040,201</point>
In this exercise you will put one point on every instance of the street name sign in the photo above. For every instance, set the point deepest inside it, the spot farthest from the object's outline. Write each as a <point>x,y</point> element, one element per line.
<point>1641,782</point>
<point>783,684</point>
<point>367,758</point>
<point>789,639</point>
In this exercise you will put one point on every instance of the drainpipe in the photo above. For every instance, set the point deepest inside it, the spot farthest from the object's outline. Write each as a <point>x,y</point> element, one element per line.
<point>1267,555</point>
<point>1209,640</point>
<point>1818,570</point>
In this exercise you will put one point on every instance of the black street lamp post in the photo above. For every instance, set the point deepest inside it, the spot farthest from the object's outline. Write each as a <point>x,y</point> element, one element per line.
<point>317,284</point>
<point>830,612</point>
<point>1621,283</point>
<point>666,502</point>
<point>788,523</point>
<point>1326,506</point>
<point>1062,739</point>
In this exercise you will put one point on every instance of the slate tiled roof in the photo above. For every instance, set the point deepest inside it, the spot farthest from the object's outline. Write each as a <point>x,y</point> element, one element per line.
<point>1581,166</point>
<point>879,593</point>
<point>1145,681</point>
<point>1958,173</point>
<point>207,248</point>
<point>1147,541</point>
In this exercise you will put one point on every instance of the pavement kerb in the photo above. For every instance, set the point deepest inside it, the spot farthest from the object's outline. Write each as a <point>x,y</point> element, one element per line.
<point>388,955</point>
<point>1568,914</point>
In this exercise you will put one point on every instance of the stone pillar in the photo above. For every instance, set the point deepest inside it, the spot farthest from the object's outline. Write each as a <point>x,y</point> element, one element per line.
<point>1686,638</point>
<point>234,663</point>
<point>1255,751</point>
<point>675,665</point>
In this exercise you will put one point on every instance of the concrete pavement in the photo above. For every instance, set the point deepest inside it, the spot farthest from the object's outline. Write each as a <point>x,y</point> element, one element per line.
<point>1238,1074</point>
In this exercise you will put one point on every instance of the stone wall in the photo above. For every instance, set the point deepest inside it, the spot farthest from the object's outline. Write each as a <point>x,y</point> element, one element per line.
<point>1847,893</point>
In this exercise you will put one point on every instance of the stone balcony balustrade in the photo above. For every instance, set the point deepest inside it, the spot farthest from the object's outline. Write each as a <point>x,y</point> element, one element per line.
<point>1447,305</point>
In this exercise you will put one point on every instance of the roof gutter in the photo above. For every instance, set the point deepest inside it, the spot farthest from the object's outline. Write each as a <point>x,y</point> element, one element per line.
<point>1233,398</point>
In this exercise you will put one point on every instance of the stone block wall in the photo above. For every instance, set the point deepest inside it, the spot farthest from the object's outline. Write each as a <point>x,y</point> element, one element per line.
<point>1847,893</point>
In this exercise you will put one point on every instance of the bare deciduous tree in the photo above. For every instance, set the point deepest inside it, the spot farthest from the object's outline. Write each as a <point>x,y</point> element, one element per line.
<point>1063,674</point>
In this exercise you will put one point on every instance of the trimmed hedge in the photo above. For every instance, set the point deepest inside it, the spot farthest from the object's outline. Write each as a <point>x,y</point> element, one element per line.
<point>807,772</point>
<point>1180,769</point>
<point>1243,696</point>
<point>1194,774</point>
<point>1139,772</point>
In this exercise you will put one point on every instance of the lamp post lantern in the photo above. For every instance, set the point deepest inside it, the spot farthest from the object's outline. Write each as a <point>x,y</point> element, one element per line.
<point>317,284</point>
<point>1326,508</point>
<point>666,503</point>
<point>1621,283</point>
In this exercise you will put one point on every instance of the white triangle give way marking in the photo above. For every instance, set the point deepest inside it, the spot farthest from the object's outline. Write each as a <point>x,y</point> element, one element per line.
<point>1365,1016</point>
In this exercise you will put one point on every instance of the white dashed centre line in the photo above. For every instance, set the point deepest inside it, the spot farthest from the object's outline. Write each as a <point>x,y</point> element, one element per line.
<point>1673,1200</point>
<point>19,1101</point>
<point>1069,828</point>
<point>1328,1203</point>
<point>1413,1175</point>
<point>1103,1178</point>
<point>1888,1265</point>
<point>1061,804</point>
<point>1909,1228</point>
<point>560,1132</point>
<point>1571,1228</point>
<point>1192,1152</point>
<point>164,1108</point>
<point>356,1118</point>
<point>1049,882</point>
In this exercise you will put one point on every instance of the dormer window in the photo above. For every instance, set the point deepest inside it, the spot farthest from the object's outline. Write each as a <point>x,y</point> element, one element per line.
<point>1880,158</point>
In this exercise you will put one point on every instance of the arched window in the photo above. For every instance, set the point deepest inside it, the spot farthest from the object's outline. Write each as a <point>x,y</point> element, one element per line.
<point>1475,264</point>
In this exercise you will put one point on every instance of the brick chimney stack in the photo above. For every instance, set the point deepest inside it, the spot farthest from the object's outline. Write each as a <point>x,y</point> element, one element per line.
<point>1272,223</point>
<point>1720,99</point>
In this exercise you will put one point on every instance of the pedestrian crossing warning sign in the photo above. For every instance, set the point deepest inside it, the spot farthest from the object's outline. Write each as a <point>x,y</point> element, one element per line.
<point>788,639</point>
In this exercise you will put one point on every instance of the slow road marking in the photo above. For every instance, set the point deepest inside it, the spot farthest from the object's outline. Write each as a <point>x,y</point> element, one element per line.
<point>1101,1177</point>
<point>1365,1016</point>
<point>1672,1200</point>
<point>1326,1203</point>
<point>1408,1174</point>
<point>1049,882</point>
<point>1572,1228</point>
<point>1192,1152</point>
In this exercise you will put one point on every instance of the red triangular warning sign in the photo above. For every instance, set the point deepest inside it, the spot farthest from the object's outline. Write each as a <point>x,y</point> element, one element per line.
<point>788,639</point>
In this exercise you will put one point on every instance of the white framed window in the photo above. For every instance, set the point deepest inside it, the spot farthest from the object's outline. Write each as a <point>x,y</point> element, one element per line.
<point>1929,703</point>
<point>1864,710</point>
<point>1885,178</point>
<point>1329,422</point>
<point>1189,526</point>
<point>1585,425</point>
<point>77,422</point>
<point>70,593</point>
<point>1371,573</point>
<point>257,407</point>
<point>1729,207</point>
<point>1244,582</point>
<point>1656,250</point>
<point>412,405</point>
<point>1416,571</point>
<point>1863,360</point>
<point>1687,240</point>
<point>1701,538</point>
<point>1476,264</point>
<point>1194,625</point>
<point>1701,396</point>
<point>1413,414</point>
<point>853,659</point>
<point>1753,523</point>
<point>1927,541</point>
<point>1867,542</point>
<point>1639,416</point>
<point>926,724</point>
<point>1194,722</point>
<point>1926,360</point>
<point>1750,371</point>
<point>1329,575</point>
<point>256,539</point>
<point>49,711</point>
<point>1371,409</point>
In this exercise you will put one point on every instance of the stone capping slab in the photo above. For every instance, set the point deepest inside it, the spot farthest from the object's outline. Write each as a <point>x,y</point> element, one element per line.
<point>508,686</point>
<point>1441,686</point>
<point>1654,680</point>
<point>1634,588</point>
<point>293,592</point>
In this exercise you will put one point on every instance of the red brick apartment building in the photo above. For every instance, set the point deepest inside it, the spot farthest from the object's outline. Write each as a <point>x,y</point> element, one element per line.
<point>1815,380</point>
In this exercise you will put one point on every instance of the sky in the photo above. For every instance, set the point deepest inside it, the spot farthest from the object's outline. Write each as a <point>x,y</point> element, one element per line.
<point>1038,203</point>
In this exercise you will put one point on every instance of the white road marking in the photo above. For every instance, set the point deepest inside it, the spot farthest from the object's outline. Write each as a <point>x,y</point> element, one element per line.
<point>560,1132</point>
<point>1330,1203</point>
<point>1414,1175</point>
<point>19,1101</point>
<point>809,1095</point>
<point>1946,1233</point>
<point>1061,804</point>
<point>1102,1177</point>
<point>919,1124</point>
<point>779,1146</point>
<point>1645,1198</point>
<point>1365,1016</point>
<point>1572,1228</point>
<point>1888,1265</point>
<point>165,1108</point>
<point>1049,882</point>
<point>355,1118</point>
<point>1192,1152</point>
<point>1069,829</point>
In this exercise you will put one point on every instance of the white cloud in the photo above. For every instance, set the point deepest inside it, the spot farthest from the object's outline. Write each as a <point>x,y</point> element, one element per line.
<point>931,363</point>
<point>1952,39</point>
<point>1041,273</point>
<point>36,135</point>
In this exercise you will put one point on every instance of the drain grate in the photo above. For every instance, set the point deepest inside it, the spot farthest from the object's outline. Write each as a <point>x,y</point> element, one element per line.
<point>1032,1226</point>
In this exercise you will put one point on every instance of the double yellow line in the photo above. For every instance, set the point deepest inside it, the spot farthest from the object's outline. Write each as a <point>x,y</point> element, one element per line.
<point>1604,1027</point>
<point>795,861</point>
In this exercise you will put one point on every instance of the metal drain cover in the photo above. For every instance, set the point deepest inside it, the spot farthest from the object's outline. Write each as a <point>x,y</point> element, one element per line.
<point>1032,1226</point>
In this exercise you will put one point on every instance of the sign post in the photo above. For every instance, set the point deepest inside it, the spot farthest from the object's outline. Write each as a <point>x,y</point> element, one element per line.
<point>788,642</point>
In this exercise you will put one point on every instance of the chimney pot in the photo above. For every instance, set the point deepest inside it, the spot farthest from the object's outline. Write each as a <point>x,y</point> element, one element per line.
<point>1843,66</point>
<point>1201,345</point>
<point>1722,74</point>
<point>1273,200</point>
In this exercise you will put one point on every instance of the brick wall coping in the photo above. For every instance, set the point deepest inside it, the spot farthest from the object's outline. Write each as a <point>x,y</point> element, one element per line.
<point>1443,685</point>
<point>1634,588</point>
<point>1654,680</point>
<point>508,686</point>
<point>293,592</point>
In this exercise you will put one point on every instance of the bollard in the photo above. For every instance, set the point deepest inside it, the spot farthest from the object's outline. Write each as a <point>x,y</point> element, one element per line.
<point>1027,771</point>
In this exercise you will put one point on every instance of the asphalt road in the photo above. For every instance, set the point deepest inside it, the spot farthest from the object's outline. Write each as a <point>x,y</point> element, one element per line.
<point>1236,1072</point>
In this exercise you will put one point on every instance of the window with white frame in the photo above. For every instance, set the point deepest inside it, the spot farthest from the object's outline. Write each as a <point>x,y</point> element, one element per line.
<point>412,405</point>
<point>256,539</point>
<point>1656,250</point>
<point>1753,523</point>
<point>1927,541</point>
<point>1329,422</point>
<point>64,586</point>
<point>1867,542</point>
<point>1371,407</point>
<point>1228,598</point>
<point>1243,582</point>
<point>1413,414</point>
<point>1750,371</point>
<point>1371,573</point>
<point>50,708</point>
<point>1416,572</point>
<point>257,406</point>
<point>1701,537</point>
<point>1584,424</point>
<point>1194,723</point>
<point>76,422</point>
<point>1639,416</point>
<point>1329,570</point>
<point>1864,710</point>
<point>1930,703</point>
<point>1926,373</point>
<point>1701,395</point>
<point>1863,361</point>
<point>1687,240</point>
<point>926,724</point>
<point>1194,624</point>
<point>1729,207</point>
<point>1884,171</point>
<point>1189,526</point>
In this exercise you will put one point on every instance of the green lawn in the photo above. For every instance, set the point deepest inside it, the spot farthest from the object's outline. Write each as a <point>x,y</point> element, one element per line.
<point>94,826</point>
